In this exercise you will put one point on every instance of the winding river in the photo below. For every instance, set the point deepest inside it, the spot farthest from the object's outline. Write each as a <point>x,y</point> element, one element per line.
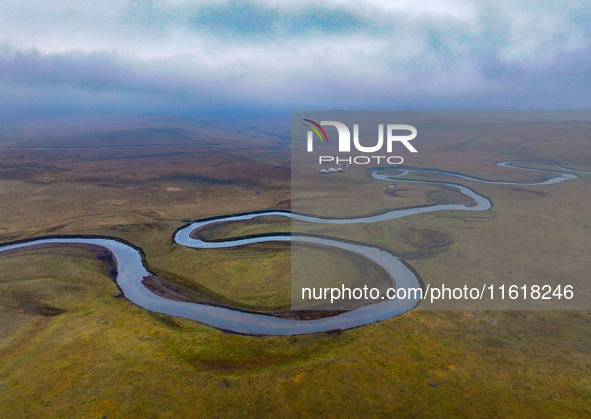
<point>131,269</point>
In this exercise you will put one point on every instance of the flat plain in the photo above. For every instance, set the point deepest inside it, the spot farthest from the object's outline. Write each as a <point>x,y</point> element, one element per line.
<point>70,344</point>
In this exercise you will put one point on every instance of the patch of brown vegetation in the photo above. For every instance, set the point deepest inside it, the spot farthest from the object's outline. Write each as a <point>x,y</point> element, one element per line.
<point>286,203</point>
<point>235,366</point>
<point>102,254</point>
<point>394,192</point>
<point>28,303</point>
<point>165,319</point>
<point>449,195</point>
<point>530,191</point>
<point>156,285</point>
<point>427,241</point>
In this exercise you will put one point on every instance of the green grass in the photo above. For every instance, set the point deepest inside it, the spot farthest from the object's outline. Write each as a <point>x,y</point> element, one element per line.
<point>106,356</point>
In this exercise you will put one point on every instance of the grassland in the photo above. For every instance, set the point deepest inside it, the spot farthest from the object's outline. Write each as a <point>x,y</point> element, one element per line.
<point>105,356</point>
<point>71,346</point>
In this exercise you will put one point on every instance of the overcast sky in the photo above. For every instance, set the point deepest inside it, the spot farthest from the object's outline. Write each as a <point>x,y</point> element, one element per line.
<point>184,57</point>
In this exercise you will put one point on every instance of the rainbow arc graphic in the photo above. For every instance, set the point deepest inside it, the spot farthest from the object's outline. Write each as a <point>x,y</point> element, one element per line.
<point>316,127</point>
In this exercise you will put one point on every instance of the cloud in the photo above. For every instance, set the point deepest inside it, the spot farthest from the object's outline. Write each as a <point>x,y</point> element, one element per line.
<point>336,53</point>
<point>243,19</point>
